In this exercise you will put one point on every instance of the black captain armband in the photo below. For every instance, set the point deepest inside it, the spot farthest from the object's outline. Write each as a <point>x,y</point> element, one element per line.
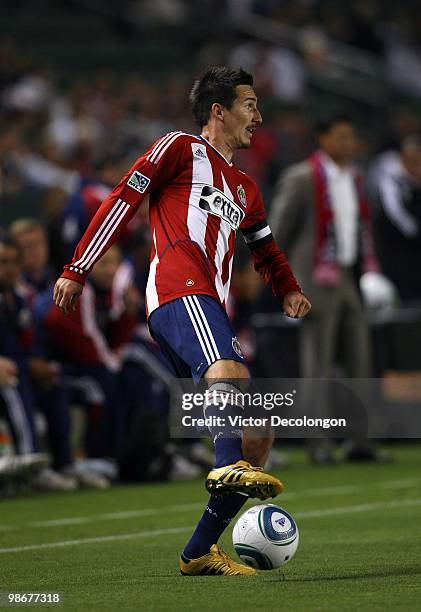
<point>257,235</point>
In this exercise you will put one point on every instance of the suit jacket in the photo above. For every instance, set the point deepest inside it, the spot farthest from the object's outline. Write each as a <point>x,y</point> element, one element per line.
<point>292,221</point>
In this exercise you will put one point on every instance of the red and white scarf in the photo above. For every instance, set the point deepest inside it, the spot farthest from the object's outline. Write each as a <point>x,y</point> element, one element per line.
<point>326,267</point>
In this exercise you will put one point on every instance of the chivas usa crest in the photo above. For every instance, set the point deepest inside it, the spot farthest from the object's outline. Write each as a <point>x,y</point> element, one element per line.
<point>242,195</point>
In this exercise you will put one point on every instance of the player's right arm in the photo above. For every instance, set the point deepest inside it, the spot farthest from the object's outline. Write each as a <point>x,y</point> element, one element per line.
<point>149,172</point>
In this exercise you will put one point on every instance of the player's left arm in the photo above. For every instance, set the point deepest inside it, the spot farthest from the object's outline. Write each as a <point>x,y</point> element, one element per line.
<point>272,264</point>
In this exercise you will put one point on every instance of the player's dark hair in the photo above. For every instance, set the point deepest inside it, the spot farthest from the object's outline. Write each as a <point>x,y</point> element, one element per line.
<point>216,84</point>
<point>327,123</point>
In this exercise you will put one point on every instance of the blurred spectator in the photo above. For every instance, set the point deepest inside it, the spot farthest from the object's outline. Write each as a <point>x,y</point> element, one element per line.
<point>39,172</point>
<point>365,25</point>
<point>15,338</point>
<point>145,449</point>
<point>30,93</point>
<point>31,237</point>
<point>16,396</point>
<point>402,121</point>
<point>396,198</point>
<point>89,344</point>
<point>403,51</point>
<point>277,71</point>
<point>315,48</point>
<point>320,217</point>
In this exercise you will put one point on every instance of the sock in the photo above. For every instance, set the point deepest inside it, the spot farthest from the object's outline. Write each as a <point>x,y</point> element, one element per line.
<point>226,437</point>
<point>218,514</point>
<point>227,451</point>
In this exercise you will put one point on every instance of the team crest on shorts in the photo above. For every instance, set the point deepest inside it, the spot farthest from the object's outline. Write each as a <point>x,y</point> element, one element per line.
<point>237,347</point>
<point>242,195</point>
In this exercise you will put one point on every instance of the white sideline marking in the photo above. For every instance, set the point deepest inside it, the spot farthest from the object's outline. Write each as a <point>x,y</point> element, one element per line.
<point>358,508</point>
<point>347,489</point>
<point>57,522</point>
<point>111,538</point>
<point>326,491</point>
<point>157,532</point>
<point>111,516</point>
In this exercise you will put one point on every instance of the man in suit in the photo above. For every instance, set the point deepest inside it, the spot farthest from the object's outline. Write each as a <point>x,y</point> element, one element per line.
<point>321,218</point>
<point>396,197</point>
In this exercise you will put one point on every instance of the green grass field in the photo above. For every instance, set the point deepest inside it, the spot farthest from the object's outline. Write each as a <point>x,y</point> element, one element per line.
<point>360,545</point>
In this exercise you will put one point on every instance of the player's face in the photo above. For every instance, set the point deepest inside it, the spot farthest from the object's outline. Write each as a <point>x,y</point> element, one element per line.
<point>243,117</point>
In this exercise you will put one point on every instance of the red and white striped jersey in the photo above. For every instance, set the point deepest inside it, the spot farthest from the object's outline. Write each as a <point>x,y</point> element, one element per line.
<point>197,202</point>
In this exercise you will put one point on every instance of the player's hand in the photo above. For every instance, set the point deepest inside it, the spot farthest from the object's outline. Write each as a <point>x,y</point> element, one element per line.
<point>296,305</point>
<point>66,294</point>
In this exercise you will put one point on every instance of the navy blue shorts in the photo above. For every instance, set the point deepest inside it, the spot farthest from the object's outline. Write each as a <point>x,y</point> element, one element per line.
<point>193,332</point>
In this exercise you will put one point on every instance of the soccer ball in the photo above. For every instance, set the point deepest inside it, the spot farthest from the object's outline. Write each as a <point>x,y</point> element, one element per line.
<point>265,537</point>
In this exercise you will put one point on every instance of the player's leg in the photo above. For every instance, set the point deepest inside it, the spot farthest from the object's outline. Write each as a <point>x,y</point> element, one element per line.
<point>197,332</point>
<point>236,454</point>
<point>255,448</point>
<point>201,554</point>
<point>233,475</point>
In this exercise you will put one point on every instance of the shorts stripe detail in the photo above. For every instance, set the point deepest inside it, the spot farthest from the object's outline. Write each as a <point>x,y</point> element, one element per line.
<point>196,329</point>
<point>202,323</point>
<point>201,320</point>
<point>206,325</point>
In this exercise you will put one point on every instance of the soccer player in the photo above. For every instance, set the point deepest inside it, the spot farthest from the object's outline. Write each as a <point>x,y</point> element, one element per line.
<point>197,201</point>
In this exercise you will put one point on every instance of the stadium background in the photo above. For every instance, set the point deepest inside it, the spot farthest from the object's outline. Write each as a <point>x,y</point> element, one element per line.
<point>86,86</point>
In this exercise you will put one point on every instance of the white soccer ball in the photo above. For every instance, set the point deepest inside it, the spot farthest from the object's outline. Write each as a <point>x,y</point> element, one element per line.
<point>265,537</point>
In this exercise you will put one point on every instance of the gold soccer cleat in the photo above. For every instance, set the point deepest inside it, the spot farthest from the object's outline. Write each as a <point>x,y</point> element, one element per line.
<point>215,563</point>
<point>241,477</point>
